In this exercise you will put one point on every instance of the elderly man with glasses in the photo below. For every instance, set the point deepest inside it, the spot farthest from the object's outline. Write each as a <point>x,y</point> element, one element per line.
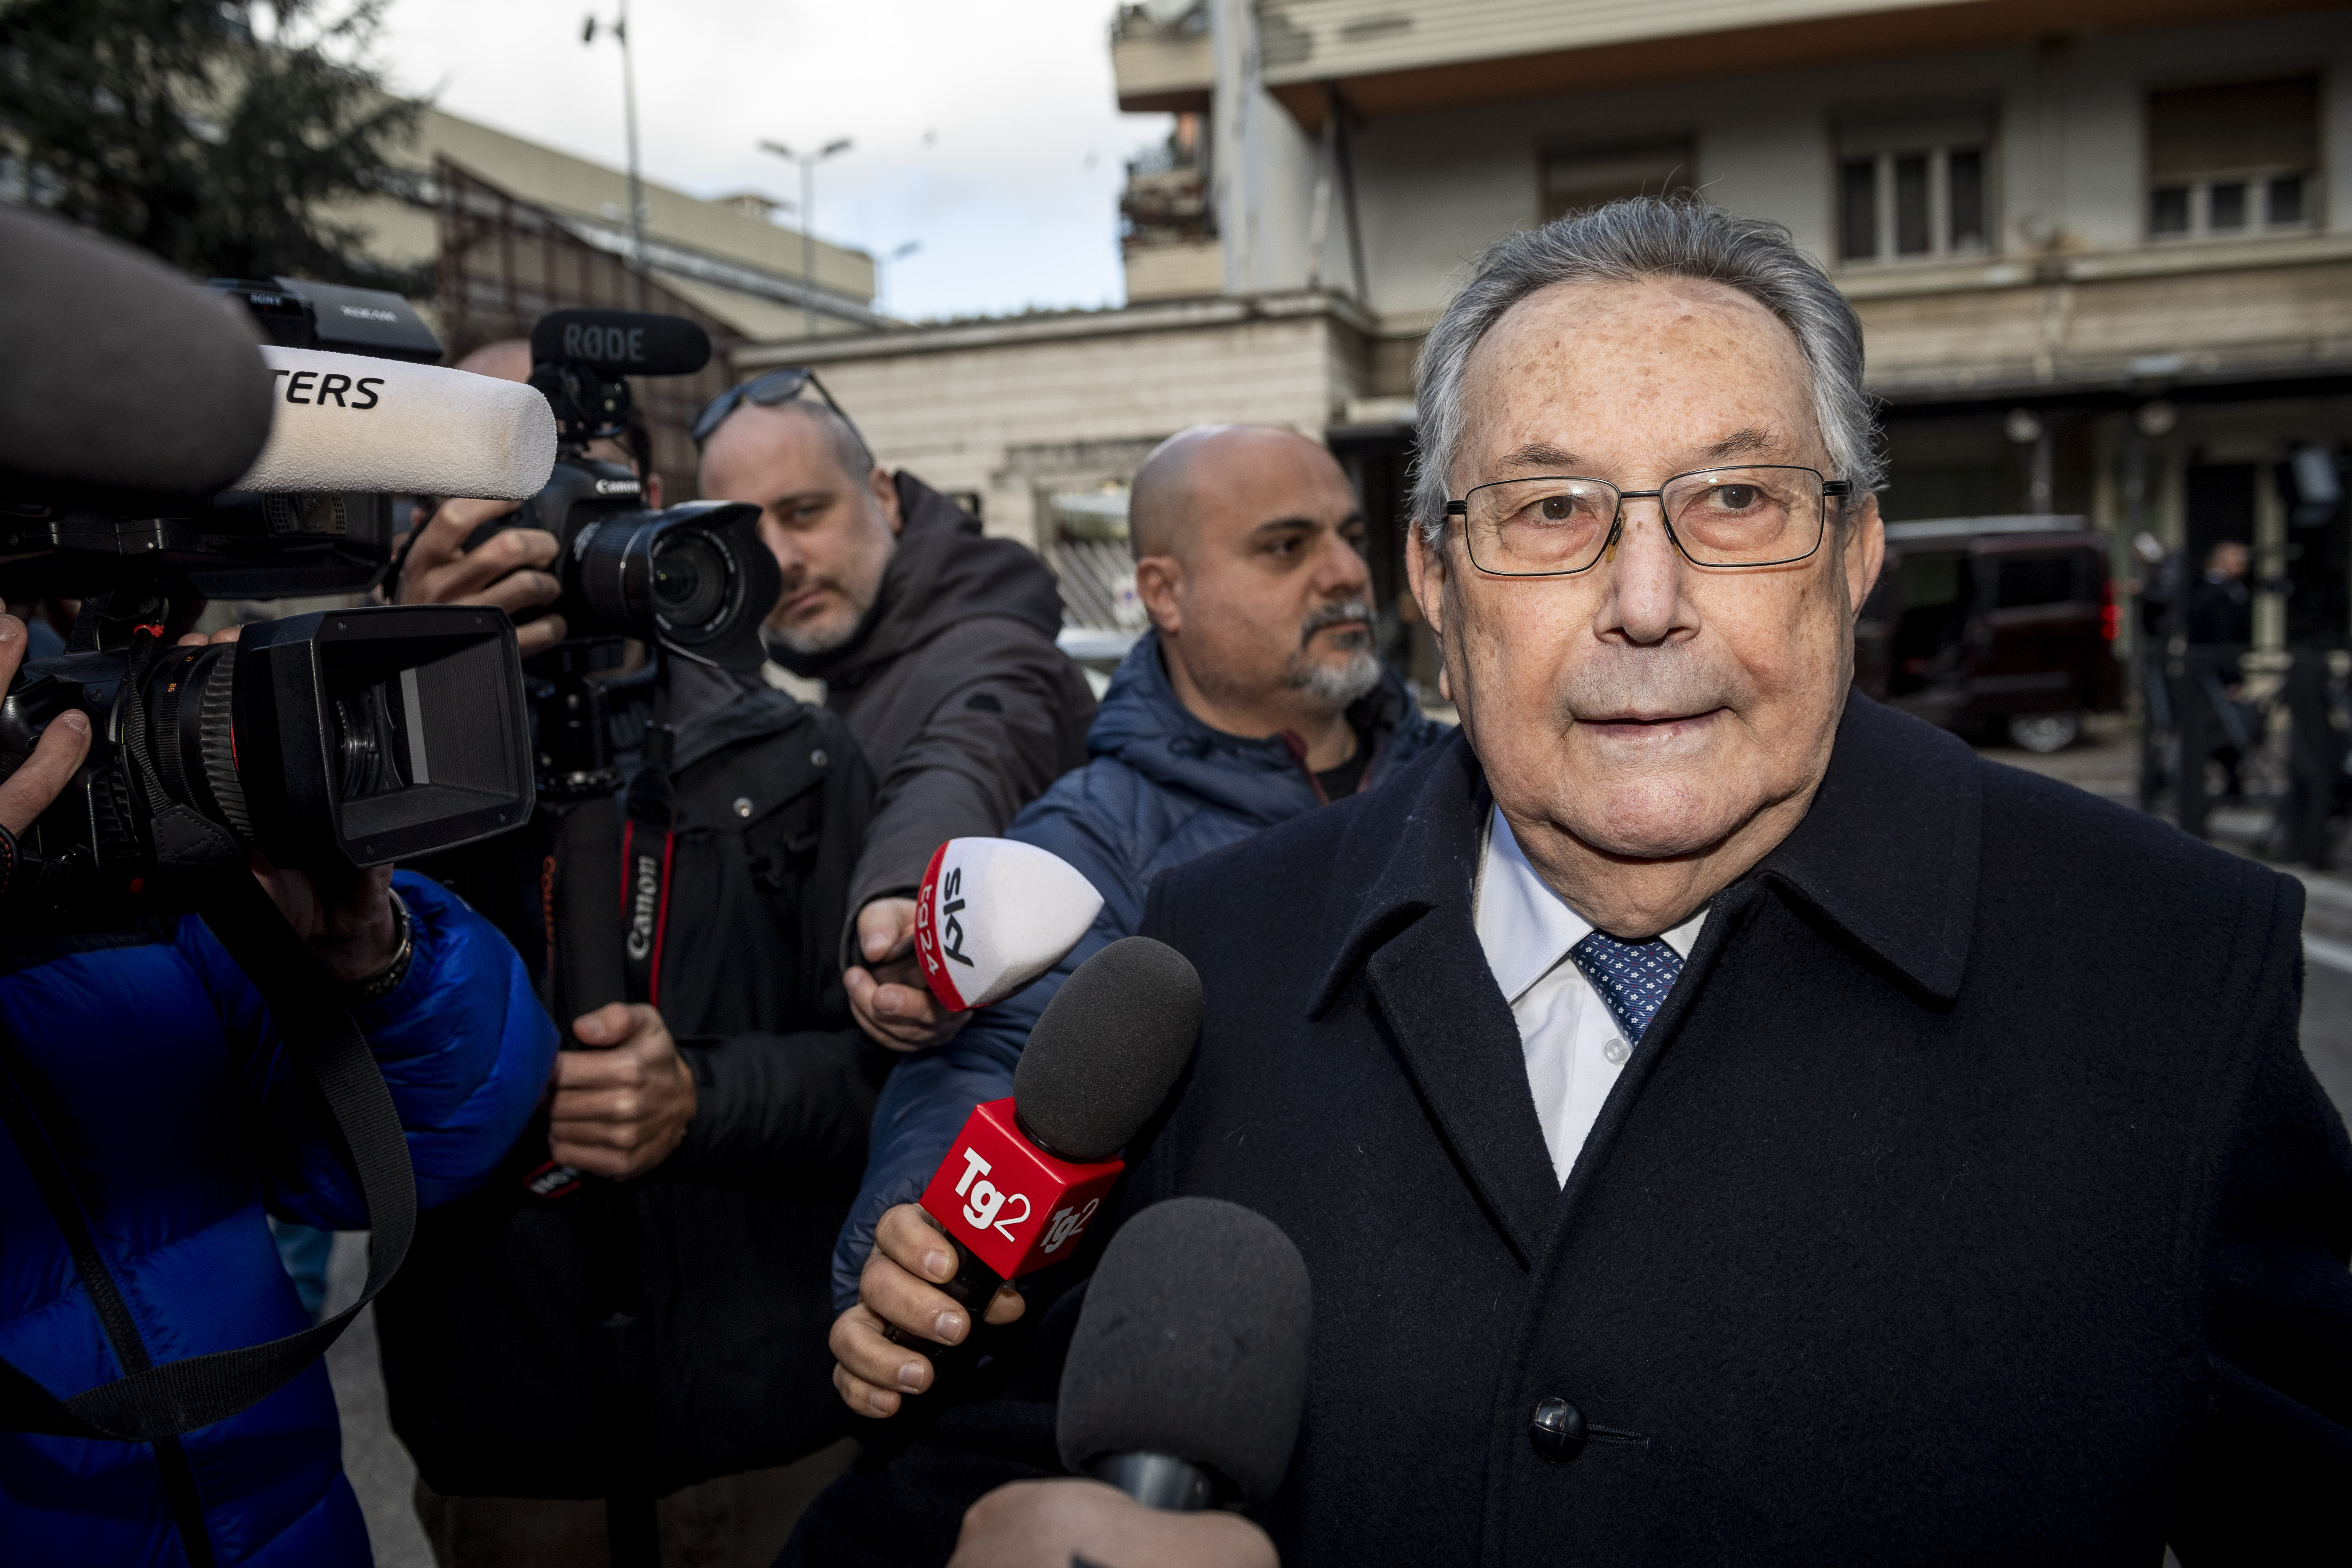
<point>1722,1118</point>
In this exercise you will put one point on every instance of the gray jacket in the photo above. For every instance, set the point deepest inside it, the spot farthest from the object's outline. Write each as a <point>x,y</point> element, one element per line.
<point>954,690</point>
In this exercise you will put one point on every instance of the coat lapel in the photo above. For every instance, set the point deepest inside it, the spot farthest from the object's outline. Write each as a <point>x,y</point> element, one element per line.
<point>1413,936</point>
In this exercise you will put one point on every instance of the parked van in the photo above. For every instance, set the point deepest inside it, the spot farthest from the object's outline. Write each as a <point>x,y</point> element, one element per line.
<point>1993,626</point>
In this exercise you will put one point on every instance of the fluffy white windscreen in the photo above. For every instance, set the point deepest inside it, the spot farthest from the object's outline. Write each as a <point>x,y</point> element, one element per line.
<point>996,915</point>
<point>345,422</point>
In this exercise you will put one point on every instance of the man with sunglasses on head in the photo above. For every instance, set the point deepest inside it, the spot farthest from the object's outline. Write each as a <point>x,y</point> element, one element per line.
<point>732,1095</point>
<point>935,644</point>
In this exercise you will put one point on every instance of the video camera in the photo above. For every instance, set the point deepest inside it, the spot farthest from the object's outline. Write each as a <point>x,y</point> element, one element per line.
<point>693,577</point>
<point>351,736</point>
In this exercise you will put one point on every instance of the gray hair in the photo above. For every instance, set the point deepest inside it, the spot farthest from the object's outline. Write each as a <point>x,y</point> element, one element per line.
<point>1625,242</point>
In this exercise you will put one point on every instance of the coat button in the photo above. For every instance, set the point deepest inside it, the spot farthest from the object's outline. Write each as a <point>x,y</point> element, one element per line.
<point>742,805</point>
<point>1557,1430</point>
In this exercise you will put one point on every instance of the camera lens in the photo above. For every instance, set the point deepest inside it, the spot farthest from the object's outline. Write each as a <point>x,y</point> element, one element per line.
<point>694,578</point>
<point>657,575</point>
<point>689,578</point>
<point>188,699</point>
<point>365,758</point>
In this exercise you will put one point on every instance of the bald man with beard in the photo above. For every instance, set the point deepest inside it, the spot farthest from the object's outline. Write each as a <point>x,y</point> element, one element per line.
<point>1255,698</point>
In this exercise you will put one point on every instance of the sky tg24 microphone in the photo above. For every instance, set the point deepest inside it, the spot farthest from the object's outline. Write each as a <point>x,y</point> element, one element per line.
<point>993,915</point>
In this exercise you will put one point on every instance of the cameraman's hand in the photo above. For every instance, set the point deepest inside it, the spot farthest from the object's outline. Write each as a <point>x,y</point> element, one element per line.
<point>507,571</point>
<point>911,1259</point>
<point>44,776</point>
<point>344,914</point>
<point>623,1109</point>
<point>1050,1524</point>
<point>888,995</point>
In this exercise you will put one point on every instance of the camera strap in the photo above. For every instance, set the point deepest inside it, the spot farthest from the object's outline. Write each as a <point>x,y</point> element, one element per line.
<point>649,847</point>
<point>156,1402</point>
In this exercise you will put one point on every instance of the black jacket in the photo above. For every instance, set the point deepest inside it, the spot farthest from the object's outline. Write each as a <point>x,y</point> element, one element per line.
<point>485,1351</point>
<point>1968,1200</point>
<point>954,688</point>
<point>2220,611</point>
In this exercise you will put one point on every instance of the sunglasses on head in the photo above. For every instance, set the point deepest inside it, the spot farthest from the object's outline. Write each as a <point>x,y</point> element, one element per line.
<point>767,390</point>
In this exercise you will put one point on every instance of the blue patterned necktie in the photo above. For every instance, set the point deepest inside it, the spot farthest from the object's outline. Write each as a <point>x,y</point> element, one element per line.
<point>1632,977</point>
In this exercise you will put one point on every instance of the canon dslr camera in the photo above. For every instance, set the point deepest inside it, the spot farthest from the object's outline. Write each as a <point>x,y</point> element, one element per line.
<point>695,577</point>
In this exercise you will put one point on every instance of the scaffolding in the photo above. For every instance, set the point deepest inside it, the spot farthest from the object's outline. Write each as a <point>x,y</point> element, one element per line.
<point>503,263</point>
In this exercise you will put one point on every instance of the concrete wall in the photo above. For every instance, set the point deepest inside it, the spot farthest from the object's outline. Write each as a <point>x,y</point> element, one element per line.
<point>1016,420</point>
<point>1184,271</point>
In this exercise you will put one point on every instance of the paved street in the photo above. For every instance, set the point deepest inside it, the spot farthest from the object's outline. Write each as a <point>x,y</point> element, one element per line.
<point>372,1457</point>
<point>380,1471</point>
<point>2104,764</point>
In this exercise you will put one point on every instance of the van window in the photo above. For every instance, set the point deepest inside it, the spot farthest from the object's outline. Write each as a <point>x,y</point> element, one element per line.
<point>1932,580</point>
<point>2027,580</point>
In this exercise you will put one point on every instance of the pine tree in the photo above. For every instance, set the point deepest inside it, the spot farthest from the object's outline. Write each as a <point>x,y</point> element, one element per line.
<point>180,127</point>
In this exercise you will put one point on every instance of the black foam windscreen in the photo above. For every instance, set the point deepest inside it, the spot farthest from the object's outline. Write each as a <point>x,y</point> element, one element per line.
<point>1192,1344</point>
<point>621,342</point>
<point>1110,1044</point>
<point>119,375</point>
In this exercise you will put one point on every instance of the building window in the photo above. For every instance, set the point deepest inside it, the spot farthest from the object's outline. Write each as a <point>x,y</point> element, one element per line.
<point>2234,160</point>
<point>1580,177</point>
<point>1912,188</point>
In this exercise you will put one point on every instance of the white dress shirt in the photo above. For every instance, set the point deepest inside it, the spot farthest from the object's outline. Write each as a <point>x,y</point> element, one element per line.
<point>1573,1046</point>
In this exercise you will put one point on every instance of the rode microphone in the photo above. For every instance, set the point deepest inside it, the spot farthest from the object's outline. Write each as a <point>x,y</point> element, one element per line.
<point>1027,1174</point>
<point>348,421</point>
<point>122,375</point>
<point>1187,1373</point>
<point>621,342</point>
<point>582,360</point>
<point>993,914</point>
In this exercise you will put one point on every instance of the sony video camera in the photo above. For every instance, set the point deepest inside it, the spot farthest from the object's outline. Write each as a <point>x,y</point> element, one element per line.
<point>352,736</point>
<point>694,577</point>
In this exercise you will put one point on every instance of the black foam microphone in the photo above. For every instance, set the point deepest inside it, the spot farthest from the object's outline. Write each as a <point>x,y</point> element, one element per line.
<point>620,343</point>
<point>1027,1174</point>
<point>1187,1373</point>
<point>121,374</point>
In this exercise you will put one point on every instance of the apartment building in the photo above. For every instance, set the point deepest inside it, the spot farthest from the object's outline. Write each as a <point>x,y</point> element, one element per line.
<point>2102,249</point>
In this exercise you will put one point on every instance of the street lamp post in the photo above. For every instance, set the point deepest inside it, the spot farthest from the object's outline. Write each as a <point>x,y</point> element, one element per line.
<point>896,255</point>
<point>808,162</point>
<point>619,28</point>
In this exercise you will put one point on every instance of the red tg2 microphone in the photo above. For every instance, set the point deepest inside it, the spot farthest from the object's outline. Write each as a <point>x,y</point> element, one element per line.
<point>1027,1174</point>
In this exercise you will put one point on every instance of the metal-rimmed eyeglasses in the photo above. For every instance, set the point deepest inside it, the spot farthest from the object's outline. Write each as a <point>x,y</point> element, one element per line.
<point>1768,515</point>
<point>766,390</point>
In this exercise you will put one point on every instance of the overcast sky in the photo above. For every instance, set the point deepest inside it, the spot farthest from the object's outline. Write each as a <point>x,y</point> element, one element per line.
<point>985,129</point>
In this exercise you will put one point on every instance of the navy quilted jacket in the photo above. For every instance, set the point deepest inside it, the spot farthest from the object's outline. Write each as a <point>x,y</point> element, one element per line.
<point>1160,788</point>
<point>156,1075</point>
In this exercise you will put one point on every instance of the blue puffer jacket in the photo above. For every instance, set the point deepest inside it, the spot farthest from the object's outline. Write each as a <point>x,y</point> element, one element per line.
<point>157,1078</point>
<point>1162,787</point>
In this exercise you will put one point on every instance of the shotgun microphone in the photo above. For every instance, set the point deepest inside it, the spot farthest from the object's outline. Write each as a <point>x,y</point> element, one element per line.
<point>347,421</point>
<point>1187,1373</point>
<point>993,915</point>
<point>1027,1174</point>
<point>621,342</point>
<point>122,375</point>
